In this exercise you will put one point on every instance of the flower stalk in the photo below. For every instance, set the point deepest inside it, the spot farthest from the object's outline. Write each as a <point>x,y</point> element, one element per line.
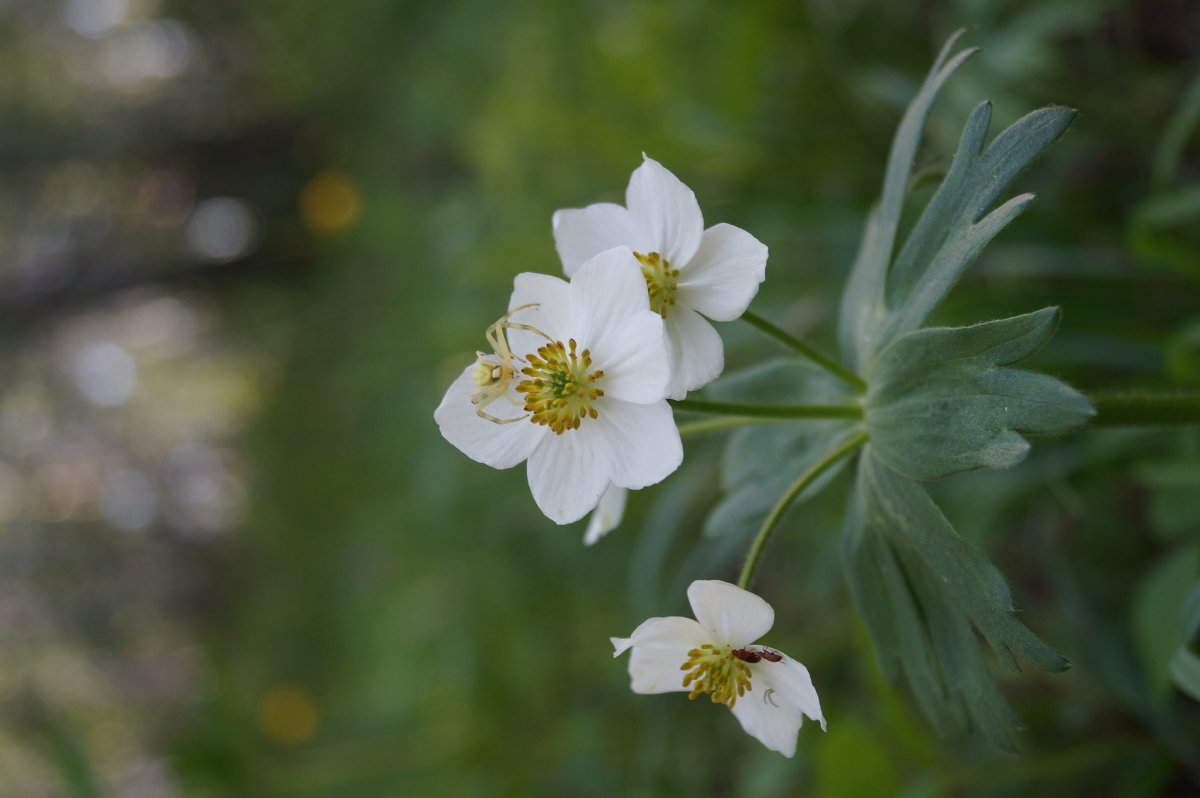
<point>779,412</point>
<point>772,520</point>
<point>718,424</point>
<point>806,350</point>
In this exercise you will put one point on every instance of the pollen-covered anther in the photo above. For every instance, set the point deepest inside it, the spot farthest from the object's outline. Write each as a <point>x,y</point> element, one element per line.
<point>560,390</point>
<point>716,671</point>
<point>661,281</point>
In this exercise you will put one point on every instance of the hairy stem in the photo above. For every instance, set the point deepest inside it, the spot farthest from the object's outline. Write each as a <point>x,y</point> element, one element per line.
<point>716,424</point>
<point>772,520</point>
<point>795,344</point>
<point>753,410</point>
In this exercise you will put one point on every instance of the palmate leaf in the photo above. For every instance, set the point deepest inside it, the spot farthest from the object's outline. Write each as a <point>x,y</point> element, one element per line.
<point>863,299</point>
<point>940,403</point>
<point>925,594</point>
<point>886,297</point>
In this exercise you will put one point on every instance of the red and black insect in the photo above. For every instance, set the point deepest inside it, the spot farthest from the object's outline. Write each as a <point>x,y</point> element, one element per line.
<point>747,655</point>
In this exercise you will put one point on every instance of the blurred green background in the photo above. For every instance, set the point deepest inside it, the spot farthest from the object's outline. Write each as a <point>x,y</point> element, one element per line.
<point>248,245</point>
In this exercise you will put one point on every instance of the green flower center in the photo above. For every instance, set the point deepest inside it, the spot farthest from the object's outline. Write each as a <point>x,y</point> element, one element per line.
<point>560,390</point>
<point>661,281</point>
<point>717,671</point>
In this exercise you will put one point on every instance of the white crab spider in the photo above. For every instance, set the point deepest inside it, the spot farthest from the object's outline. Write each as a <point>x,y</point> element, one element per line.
<point>494,376</point>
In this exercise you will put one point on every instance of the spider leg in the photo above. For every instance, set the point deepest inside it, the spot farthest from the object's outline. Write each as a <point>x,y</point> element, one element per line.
<point>501,326</point>
<point>479,412</point>
<point>497,341</point>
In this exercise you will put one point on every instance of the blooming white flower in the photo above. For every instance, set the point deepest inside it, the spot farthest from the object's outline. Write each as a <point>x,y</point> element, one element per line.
<point>687,268</point>
<point>575,385</point>
<point>768,691</point>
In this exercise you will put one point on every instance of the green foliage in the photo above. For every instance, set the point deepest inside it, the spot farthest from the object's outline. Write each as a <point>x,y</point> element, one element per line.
<point>940,402</point>
<point>863,300</point>
<point>455,643</point>
<point>1185,665</point>
<point>886,298</point>
<point>924,593</point>
<point>1166,586</point>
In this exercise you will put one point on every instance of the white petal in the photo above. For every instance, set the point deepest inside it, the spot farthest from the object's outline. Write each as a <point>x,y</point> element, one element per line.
<point>606,290</point>
<point>633,355</point>
<point>569,472</point>
<point>724,275</point>
<point>781,695</point>
<point>696,350</point>
<point>580,233</point>
<point>660,647</point>
<point>666,217</point>
<point>551,313</point>
<point>734,616</point>
<point>792,684</point>
<point>621,645</point>
<point>643,442</point>
<point>607,515</point>
<point>772,722</point>
<point>497,445</point>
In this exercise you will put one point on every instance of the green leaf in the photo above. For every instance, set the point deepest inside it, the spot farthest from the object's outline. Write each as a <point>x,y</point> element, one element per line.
<point>760,462</point>
<point>950,232</point>
<point>940,403</point>
<point>884,298</point>
<point>863,300</point>
<point>925,594</point>
<point>1159,595</point>
<point>1185,665</point>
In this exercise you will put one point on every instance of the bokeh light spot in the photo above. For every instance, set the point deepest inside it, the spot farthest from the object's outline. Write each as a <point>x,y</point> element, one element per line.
<point>106,374</point>
<point>288,714</point>
<point>330,203</point>
<point>94,18</point>
<point>128,501</point>
<point>222,228</point>
<point>149,51</point>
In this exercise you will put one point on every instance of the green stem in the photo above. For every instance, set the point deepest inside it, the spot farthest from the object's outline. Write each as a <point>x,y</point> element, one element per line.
<point>715,424</point>
<point>1146,409</point>
<point>785,501</point>
<point>753,410</point>
<point>794,343</point>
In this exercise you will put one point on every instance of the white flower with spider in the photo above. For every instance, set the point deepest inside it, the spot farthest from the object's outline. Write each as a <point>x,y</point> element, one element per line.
<point>688,270</point>
<point>575,384</point>
<point>768,691</point>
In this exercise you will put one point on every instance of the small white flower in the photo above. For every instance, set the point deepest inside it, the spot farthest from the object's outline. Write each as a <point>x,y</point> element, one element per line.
<point>607,515</point>
<point>687,268</point>
<point>768,691</point>
<point>575,384</point>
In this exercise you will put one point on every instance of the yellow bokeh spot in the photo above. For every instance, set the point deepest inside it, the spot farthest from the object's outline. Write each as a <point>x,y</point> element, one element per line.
<point>288,714</point>
<point>330,203</point>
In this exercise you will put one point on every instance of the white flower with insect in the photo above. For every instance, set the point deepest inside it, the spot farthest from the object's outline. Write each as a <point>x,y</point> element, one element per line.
<point>688,270</point>
<point>575,384</point>
<point>768,691</point>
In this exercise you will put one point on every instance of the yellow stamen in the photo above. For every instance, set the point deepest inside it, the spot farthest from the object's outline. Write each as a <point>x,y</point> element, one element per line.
<point>661,281</point>
<point>559,392</point>
<point>716,671</point>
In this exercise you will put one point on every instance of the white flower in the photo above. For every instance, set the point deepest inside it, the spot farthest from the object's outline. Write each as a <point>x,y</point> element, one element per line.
<point>768,691</point>
<point>575,384</point>
<point>607,515</point>
<point>687,268</point>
